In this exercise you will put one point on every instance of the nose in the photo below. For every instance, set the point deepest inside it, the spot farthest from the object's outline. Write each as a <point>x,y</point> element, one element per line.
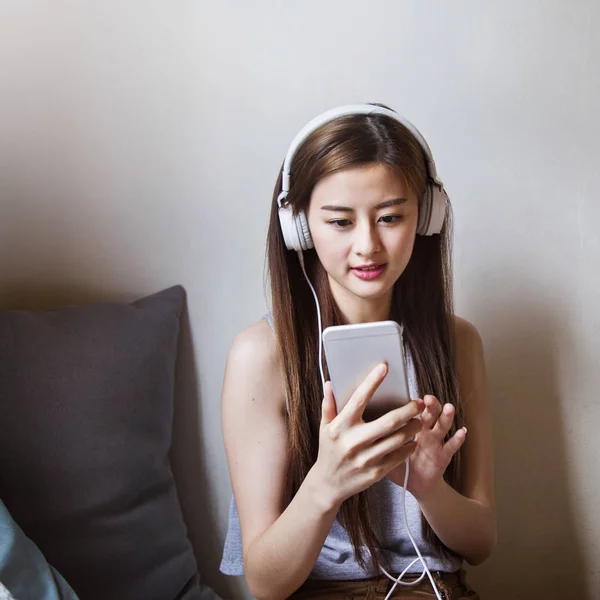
<point>367,241</point>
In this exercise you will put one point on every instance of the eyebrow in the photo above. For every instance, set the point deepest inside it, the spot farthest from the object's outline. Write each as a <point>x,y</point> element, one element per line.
<point>384,204</point>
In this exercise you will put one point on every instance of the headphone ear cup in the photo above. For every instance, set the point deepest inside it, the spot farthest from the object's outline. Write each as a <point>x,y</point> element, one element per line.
<point>294,228</point>
<point>303,231</point>
<point>288,228</point>
<point>439,206</point>
<point>432,210</point>
<point>424,211</point>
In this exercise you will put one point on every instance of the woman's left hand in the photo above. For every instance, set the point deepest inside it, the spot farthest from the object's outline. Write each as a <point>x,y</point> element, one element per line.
<point>432,455</point>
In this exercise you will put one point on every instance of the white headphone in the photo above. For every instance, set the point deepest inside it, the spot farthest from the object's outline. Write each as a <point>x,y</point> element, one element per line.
<point>432,205</point>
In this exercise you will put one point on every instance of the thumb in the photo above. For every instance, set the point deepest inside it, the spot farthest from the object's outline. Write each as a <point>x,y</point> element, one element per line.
<point>329,410</point>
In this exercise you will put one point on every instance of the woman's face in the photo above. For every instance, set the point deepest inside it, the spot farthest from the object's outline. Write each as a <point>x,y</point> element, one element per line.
<point>363,224</point>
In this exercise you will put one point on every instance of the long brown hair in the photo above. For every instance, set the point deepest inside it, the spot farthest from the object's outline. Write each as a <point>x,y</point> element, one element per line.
<point>422,302</point>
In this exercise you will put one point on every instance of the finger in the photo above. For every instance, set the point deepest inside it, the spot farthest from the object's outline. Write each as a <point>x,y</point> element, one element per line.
<point>328,409</point>
<point>397,457</point>
<point>394,441</point>
<point>455,442</point>
<point>391,422</point>
<point>442,427</point>
<point>354,408</point>
<point>432,411</point>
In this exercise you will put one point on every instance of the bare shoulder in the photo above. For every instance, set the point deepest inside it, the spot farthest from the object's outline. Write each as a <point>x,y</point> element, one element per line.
<point>470,364</point>
<point>253,366</point>
<point>256,343</point>
<point>468,341</point>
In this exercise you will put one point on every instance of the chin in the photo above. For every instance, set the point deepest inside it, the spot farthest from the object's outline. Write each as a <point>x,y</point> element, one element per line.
<point>378,291</point>
<point>365,290</point>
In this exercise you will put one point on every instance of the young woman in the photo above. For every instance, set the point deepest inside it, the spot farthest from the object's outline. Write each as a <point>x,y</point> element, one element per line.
<point>319,508</point>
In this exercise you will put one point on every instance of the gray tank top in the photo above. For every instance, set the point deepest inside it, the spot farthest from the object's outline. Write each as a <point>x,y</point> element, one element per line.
<point>337,559</point>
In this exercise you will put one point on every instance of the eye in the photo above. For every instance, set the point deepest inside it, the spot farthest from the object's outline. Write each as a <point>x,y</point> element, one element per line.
<point>339,223</point>
<point>391,219</point>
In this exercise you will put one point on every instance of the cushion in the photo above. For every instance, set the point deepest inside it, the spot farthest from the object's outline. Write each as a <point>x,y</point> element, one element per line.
<point>86,401</point>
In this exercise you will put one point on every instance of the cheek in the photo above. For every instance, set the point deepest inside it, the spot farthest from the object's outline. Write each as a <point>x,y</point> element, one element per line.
<point>403,245</point>
<point>329,249</point>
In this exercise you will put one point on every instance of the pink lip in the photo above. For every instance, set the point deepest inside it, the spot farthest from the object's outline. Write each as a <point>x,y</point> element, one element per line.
<point>368,275</point>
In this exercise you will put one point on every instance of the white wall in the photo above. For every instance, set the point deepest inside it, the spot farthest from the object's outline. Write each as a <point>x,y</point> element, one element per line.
<point>139,143</point>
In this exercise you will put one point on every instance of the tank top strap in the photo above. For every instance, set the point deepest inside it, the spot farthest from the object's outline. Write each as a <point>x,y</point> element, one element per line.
<point>413,386</point>
<point>268,317</point>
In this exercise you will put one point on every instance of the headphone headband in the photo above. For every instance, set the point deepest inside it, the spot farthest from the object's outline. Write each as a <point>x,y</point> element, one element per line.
<point>352,109</point>
<point>432,206</point>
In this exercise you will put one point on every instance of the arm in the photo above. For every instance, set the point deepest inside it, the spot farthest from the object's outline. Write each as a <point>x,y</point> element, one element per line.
<point>465,525</point>
<point>280,546</point>
<point>466,521</point>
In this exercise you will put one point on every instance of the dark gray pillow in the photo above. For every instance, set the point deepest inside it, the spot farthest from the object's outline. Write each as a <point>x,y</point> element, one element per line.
<point>86,410</point>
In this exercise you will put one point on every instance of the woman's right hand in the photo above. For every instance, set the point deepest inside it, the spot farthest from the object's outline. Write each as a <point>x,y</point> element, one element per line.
<point>354,454</point>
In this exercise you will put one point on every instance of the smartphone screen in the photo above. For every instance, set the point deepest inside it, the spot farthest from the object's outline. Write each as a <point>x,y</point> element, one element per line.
<point>352,351</point>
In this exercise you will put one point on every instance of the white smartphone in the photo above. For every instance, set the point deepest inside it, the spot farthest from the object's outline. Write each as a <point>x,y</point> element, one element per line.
<point>352,351</point>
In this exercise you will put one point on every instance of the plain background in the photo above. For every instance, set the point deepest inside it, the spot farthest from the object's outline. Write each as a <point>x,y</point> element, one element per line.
<point>139,145</point>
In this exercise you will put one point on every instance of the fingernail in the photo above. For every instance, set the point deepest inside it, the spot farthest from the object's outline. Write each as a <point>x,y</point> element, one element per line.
<point>465,430</point>
<point>381,368</point>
